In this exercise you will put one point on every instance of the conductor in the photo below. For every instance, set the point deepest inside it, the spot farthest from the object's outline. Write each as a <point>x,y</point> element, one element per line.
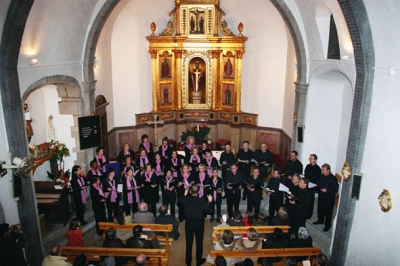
<point>195,210</point>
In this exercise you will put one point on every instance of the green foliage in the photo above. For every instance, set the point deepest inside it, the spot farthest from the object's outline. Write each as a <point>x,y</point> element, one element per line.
<point>199,135</point>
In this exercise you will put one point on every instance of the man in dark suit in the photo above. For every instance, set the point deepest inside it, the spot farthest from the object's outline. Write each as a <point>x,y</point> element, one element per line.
<point>136,241</point>
<point>195,210</point>
<point>293,165</point>
<point>166,218</point>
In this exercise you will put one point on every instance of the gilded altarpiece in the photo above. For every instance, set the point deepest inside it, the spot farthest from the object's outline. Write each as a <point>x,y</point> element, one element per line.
<point>196,60</point>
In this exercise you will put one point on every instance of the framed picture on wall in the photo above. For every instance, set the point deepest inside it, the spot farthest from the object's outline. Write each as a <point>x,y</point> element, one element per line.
<point>165,67</point>
<point>229,68</point>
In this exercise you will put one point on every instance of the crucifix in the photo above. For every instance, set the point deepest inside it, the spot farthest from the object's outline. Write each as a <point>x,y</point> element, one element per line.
<point>155,122</point>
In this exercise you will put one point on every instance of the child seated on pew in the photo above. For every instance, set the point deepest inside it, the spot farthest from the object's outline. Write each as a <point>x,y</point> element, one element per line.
<point>74,233</point>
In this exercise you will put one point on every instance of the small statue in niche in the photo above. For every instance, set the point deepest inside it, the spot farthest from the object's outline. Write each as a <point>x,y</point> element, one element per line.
<point>28,121</point>
<point>228,96</point>
<point>166,96</point>
<point>201,24</point>
<point>228,69</point>
<point>192,24</point>
<point>197,77</point>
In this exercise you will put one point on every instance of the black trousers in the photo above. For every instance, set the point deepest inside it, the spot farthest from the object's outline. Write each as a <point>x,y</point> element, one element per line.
<point>216,205</point>
<point>325,210</point>
<point>194,228</point>
<point>169,199</point>
<point>111,207</point>
<point>79,209</point>
<point>129,207</point>
<point>99,216</point>
<point>298,220</point>
<point>253,203</point>
<point>274,204</point>
<point>310,213</point>
<point>232,201</point>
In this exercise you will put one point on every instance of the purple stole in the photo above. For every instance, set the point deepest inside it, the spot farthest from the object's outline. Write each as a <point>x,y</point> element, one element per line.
<point>209,170</point>
<point>143,161</point>
<point>158,167</point>
<point>113,190</point>
<point>98,172</point>
<point>175,163</point>
<point>185,181</point>
<point>215,181</point>
<point>100,160</point>
<point>202,176</point>
<point>131,166</point>
<point>81,183</point>
<point>194,157</point>
<point>148,176</point>
<point>146,145</point>
<point>98,187</point>
<point>129,192</point>
<point>163,149</point>
<point>190,146</point>
<point>169,180</point>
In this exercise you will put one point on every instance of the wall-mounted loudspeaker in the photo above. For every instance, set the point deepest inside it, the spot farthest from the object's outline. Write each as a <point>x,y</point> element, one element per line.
<point>355,192</point>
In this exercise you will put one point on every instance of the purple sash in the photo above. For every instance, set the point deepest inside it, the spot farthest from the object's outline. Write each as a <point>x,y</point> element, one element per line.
<point>129,193</point>
<point>148,176</point>
<point>185,181</point>
<point>101,159</point>
<point>158,167</point>
<point>194,157</point>
<point>202,176</point>
<point>146,145</point>
<point>98,172</point>
<point>215,181</point>
<point>169,180</point>
<point>175,163</point>
<point>164,148</point>
<point>113,190</point>
<point>98,187</point>
<point>81,183</point>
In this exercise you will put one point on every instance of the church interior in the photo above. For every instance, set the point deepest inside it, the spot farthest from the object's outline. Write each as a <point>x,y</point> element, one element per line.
<point>316,76</point>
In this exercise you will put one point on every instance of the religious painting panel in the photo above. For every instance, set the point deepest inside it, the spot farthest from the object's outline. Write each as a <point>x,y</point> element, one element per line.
<point>227,95</point>
<point>166,95</point>
<point>229,68</point>
<point>165,67</point>
<point>197,19</point>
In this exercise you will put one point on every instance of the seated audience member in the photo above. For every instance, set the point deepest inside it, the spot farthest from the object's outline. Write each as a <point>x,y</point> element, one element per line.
<point>112,241</point>
<point>282,218</point>
<point>227,243</point>
<point>262,219</point>
<point>290,262</point>
<point>246,262</point>
<point>278,240</point>
<point>80,260</point>
<point>249,219</point>
<point>237,220</point>
<point>223,220</point>
<point>141,260</point>
<point>321,260</point>
<point>252,243</point>
<point>166,218</point>
<point>109,261</point>
<point>55,258</point>
<point>121,219</point>
<point>137,241</point>
<point>303,241</point>
<point>267,262</point>
<point>220,261</point>
<point>14,243</point>
<point>143,216</point>
<point>74,233</point>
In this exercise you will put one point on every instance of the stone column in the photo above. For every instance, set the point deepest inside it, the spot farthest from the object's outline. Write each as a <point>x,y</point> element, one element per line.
<point>299,110</point>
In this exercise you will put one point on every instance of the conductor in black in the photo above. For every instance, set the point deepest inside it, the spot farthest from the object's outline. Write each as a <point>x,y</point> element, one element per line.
<point>195,210</point>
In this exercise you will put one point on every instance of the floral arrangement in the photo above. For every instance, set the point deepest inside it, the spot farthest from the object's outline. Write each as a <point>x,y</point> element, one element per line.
<point>199,133</point>
<point>57,152</point>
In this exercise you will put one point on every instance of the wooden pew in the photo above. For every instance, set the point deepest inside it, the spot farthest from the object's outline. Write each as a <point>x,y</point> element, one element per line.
<point>154,256</point>
<point>310,253</point>
<point>163,228</point>
<point>218,230</point>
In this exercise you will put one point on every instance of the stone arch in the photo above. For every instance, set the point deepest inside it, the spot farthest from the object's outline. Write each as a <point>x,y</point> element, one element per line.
<point>69,90</point>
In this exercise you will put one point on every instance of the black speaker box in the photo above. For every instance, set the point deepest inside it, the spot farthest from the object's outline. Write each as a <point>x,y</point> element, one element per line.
<point>355,192</point>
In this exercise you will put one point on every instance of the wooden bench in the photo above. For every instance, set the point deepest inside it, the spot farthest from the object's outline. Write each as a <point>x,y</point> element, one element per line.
<point>154,256</point>
<point>163,228</point>
<point>310,253</point>
<point>236,230</point>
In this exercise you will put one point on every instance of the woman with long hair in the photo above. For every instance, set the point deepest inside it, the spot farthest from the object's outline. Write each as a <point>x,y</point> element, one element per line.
<point>131,186</point>
<point>110,186</point>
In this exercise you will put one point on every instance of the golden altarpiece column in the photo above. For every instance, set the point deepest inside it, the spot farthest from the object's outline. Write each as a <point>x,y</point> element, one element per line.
<point>196,60</point>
